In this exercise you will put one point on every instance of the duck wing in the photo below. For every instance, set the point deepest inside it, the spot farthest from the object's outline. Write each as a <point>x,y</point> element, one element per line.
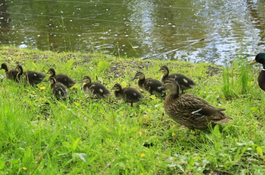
<point>131,95</point>
<point>34,77</point>
<point>11,74</point>
<point>194,107</point>
<point>60,91</point>
<point>152,85</point>
<point>182,79</point>
<point>65,80</point>
<point>99,90</point>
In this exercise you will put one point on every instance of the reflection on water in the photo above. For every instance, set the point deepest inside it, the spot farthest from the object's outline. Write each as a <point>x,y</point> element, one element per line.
<point>142,22</point>
<point>137,28</point>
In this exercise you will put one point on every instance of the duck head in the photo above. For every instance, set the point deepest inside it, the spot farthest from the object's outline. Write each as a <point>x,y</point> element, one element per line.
<point>260,58</point>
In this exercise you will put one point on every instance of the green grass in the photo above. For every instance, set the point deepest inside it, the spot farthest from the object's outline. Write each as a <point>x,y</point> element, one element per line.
<point>40,135</point>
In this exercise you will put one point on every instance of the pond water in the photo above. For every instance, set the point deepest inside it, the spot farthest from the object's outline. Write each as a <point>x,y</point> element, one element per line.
<point>138,28</point>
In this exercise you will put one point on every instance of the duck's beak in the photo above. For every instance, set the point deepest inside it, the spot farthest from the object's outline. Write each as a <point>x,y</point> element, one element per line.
<point>252,62</point>
<point>112,88</point>
<point>159,71</point>
<point>133,78</point>
<point>161,87</point>
<point>80,81</point>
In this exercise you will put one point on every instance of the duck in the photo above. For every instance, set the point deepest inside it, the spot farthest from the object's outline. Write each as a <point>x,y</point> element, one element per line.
<point>183,81</point>
<point>59,90</point>
<point>32,77</point>
<point>62,78</point>
<point>260,58</point>
<point>128,94</point>
<point>94,89</point>
<point>10,74</point>
<point>150,85</point>
<point>190,110</point>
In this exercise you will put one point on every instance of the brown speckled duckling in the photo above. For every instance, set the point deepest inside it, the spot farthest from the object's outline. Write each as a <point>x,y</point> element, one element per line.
<point>129,95</point>
<point>10,74</point>
<point>94,89</point>
<point>183,81</point>
<point>190,110</point>
<point>58,89</point>
<point>151,85</point>
<point>62,78</point>
<point>32,77</point>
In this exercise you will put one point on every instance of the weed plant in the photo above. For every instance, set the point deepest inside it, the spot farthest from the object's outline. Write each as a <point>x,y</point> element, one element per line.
<point>40,135</point>
<point>236,80</point>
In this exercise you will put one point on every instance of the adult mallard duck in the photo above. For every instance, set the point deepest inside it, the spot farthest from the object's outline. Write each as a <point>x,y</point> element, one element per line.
<point>58,89</point>
<point>190,110</point>
<point>62,78</point>
<point>183,81</point>
<point>152,86</point>
<point>94,89</point>
<point>10,74</point>
<point>32,77</point>
<point>129,95</point>
<point>260,58</point>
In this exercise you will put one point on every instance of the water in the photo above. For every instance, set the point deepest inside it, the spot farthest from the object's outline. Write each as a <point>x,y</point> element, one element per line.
<point>138,28</point>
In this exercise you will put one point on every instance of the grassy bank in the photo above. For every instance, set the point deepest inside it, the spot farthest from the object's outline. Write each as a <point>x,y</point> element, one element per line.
<point>40,135</point>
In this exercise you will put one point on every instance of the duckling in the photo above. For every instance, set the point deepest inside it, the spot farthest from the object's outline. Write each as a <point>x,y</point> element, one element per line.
<point>190,110</point>
<point>260,58</point>
<point>94,89</point>
<point>32,77</point>
<point>58,89</point>
<point>10,74</point>
<point>152,86</point>
<point>183,81</point>
<point>62,78</point>
<point>129,95</point>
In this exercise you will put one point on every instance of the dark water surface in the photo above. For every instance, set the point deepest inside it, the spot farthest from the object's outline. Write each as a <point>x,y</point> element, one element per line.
<point>137,28</point>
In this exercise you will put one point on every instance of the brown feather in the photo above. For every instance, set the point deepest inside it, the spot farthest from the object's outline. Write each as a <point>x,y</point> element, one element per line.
<point>58,89</point>
<point>94,89</point>
<point>32,77</point>
<point>128,94</point>
<point>62,78</point>
<point>150,85</point>
<point>182,108</point>
<point>183,81</point>
<point>10,74</point>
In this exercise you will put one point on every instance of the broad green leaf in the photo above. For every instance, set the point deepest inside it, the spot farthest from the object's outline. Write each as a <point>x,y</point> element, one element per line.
<point>191,162</point>
<point>82,156</point>
<point>75,143</point>
<point>34,64</point>
<point>2,164</point>
<point>259,150</point>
